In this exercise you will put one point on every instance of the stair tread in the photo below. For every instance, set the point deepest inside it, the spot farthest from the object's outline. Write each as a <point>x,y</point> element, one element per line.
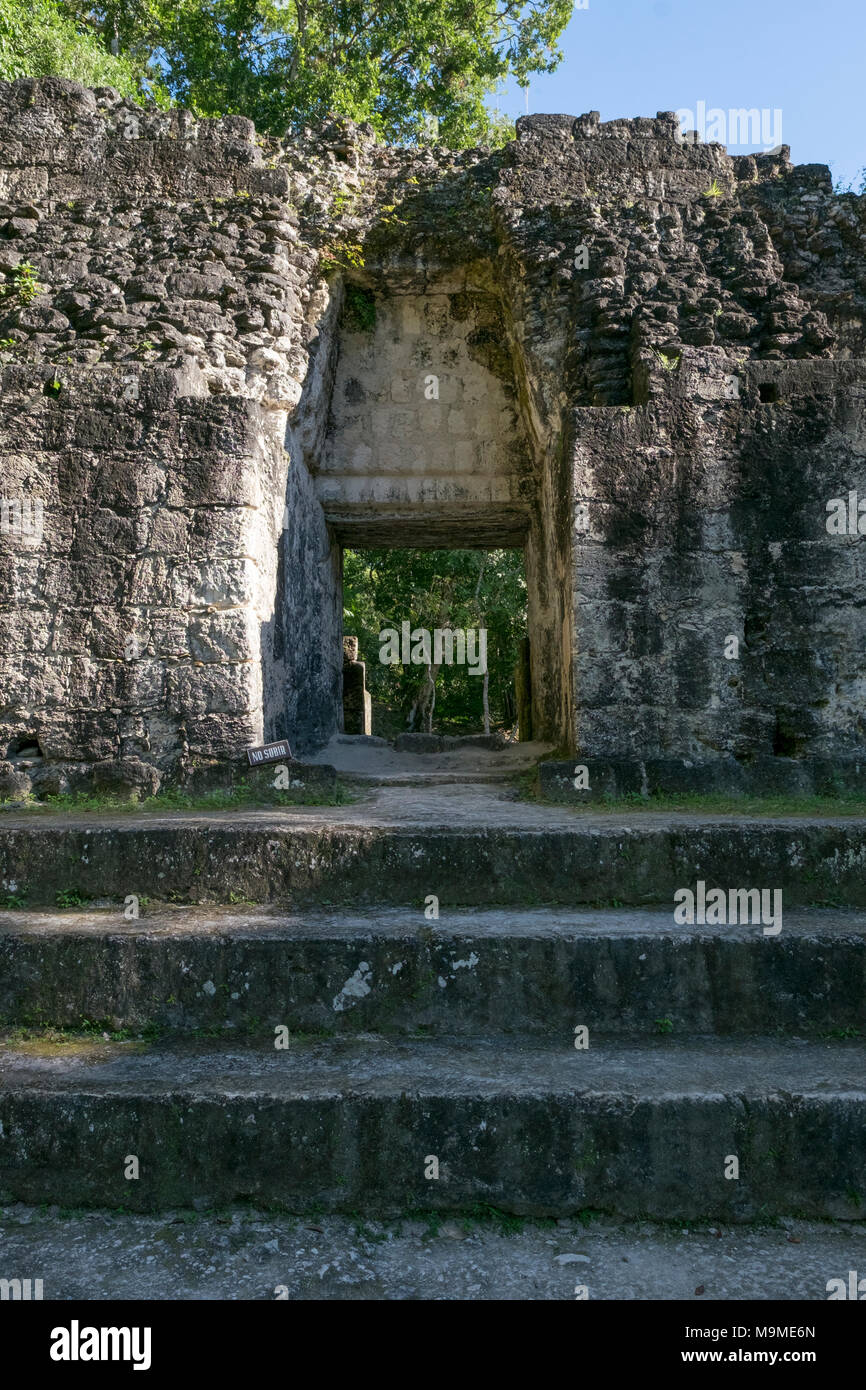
<point>465,808</point>
<point>407,923</point>
<point>702,1068</point>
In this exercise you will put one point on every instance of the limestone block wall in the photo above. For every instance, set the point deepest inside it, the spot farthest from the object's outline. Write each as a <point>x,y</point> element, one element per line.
<point>190,394</point>
<point>715,615</point>
<point>147,390</point>
<point>131,625</point>
<point>426,445</point>
<point>302,642</point>
<point>697,508</point>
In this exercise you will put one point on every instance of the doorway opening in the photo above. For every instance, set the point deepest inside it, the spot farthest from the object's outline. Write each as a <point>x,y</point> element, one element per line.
<point>442,635</point>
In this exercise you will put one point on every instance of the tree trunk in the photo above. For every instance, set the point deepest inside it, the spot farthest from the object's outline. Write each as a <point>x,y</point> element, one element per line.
<point>424,702</point>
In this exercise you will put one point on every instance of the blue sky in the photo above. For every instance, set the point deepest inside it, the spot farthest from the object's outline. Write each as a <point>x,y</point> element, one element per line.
<point>636,57</point>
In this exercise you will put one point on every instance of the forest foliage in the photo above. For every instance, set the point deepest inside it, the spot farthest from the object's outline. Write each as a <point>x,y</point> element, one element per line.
<point>413,69</point>
<point>438,589</point>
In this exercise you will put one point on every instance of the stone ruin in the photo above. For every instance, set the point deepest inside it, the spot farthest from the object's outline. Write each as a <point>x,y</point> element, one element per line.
<point>357,701</point>
<point>638,358</point>
<point>224,359</point>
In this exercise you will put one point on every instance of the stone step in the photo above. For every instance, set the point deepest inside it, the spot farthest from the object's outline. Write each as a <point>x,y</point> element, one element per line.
<point>420,779</point>
<point>242,1253</point>
<point>468,846</point>
<point>540,971</point>
<point>639,1130</point>
<point>427,760</point>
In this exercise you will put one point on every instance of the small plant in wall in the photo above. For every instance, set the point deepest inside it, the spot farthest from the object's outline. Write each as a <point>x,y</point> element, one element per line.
<point>669,361</point>
<point>360,309</point>
<point>715,190</point>
<point>70,897</point>
<point>344,201</point>
<point>341,256</point>
<point>26,284</point>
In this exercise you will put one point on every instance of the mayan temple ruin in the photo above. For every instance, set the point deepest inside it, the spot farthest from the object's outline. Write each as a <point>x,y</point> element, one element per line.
<point>649,371</point>
<point>225,359</point>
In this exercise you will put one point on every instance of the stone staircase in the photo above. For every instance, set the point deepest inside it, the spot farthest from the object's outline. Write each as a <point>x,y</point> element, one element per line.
<point>294,1029</point>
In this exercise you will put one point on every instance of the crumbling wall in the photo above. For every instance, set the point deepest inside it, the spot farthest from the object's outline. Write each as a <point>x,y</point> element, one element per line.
<point>715,614</point>
<point>146,402</point>
<point>659,350</point>
<point>708,428</point>
<point>301,647</point>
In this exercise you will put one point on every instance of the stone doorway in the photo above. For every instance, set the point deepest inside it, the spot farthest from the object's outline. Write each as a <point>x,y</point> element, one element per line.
<point>423,444</point>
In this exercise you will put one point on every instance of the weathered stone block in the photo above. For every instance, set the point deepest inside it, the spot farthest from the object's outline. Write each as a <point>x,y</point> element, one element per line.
<point>126,777</point>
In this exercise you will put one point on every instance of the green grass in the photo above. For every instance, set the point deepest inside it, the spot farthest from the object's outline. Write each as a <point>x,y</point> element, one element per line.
<point>237,798</point>
<point>70,897</point>
<point>377,1230</point>
<point>45,1040</point>
<point>45,1036</point>
<point>492,1218</point>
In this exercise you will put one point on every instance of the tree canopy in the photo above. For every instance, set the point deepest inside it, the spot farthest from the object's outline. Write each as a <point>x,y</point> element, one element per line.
<point>38,40</point>
<point>287,63</point>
